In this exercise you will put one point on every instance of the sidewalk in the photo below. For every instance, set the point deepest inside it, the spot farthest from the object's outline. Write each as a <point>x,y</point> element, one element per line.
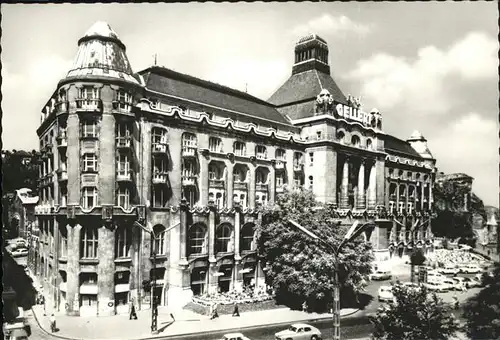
<point>186,322</point>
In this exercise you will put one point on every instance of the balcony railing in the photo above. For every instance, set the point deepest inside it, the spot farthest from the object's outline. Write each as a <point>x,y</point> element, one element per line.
<point>123,142</point>
<point>124,176</point>
<point>160,177</point>
<point>279,165</point>
<point>261,187</point>
<point>216,183</point>
<point>392,197</point>
<point>62,140</point>
<point>61,107</point>
<point>122,106</point>
<point>159,147</point>
<point>62,174</point>
<point>280,188</point>
<point>89,105</point>
<point>261,155</point>
<point>188,151</point>
<point>189,180</point>
<point>298,166</point>
<point>240,185</point>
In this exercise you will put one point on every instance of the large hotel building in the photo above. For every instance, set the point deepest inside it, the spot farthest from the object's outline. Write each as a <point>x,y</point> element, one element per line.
<point>194,161</point>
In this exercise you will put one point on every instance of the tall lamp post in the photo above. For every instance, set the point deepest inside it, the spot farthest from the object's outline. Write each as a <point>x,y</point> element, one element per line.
<point>355,230</point>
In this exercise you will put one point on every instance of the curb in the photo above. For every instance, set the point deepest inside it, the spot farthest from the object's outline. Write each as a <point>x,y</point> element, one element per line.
<point>176,336</point>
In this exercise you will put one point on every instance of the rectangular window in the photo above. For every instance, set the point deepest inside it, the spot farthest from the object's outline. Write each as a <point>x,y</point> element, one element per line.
<point>123,165</point>
<point>239,149</point>
<point>280,155</point>
<point>89,92</point>
<point>89,198</point>
<point>123,130</point>
<point>261,152</point>
<point>123,242</point>
<point>89,163</point>
<point>160,197</point>
<point>159,165</point>
<point>280,180</point>
<point>88,300</point>
<point>311,158</point>
<point>89,128</point>
<point>215,144</point>
<point>63,242</point>
<point>123,198</point>
<point>89,244</point>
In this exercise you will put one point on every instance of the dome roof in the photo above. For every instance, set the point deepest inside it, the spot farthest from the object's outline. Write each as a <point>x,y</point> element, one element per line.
<point>310,37</point>
<point>416,135</point>
<point>101,53</point>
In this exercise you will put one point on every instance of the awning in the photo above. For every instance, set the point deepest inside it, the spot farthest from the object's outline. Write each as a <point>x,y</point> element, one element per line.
<point>90,289</point>
<point>122,287</point>
<point>63,286</point>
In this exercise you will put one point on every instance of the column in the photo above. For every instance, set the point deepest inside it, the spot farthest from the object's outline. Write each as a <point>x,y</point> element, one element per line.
<point>372,188</point>
<point>397,196</point>
<point>183,232</point>
<point>251,189</point>
<point>238,266</point>
<point>212,261</point>
<point>406,197</point>
<point>73,159</point>
<point>430,194</point>
<point>203,180</point>
<point>107,160</point>
<point>344,188</point>
<point>272,185</point>
<point>135,280</point>
<point>361,186</point>
<point>73,270</point>
<point>422,196</point>
<point>106,270</point>
<point>229,184</point>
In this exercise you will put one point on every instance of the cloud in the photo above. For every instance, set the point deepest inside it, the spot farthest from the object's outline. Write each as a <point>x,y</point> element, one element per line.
<point>469,144</point>
<point>330,24</point>
<point>388,81</point>
<point>237,73</point>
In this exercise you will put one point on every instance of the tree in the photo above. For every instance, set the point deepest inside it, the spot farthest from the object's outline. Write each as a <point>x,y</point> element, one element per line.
<point>300,268</point>
<point>482,311</point>
<point>20,170</point>
<point>415,314</point>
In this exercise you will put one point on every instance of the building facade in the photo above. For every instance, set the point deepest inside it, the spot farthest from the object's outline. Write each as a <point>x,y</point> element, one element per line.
<point>194,161</point>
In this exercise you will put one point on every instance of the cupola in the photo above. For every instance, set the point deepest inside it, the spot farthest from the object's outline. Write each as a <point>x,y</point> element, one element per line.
<point>101,53</point>
<point>311,53</point>
<point>419,144</point>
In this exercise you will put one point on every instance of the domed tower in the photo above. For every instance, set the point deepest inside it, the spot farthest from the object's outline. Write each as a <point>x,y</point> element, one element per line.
<point>419,144</point>
<point>96,190</point>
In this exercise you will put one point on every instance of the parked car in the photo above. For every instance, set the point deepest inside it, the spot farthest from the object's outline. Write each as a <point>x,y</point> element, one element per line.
<point>234,336</point>
<point>449,270</point>
<point>21,242</point>
<point>385,294</point>
<point>465,281</point>
<point>380,275</point>
<point>19,253</point>
<point>436,286</point>
<point>470,269</point>
<point>299,331</point>
<point>451,284</point>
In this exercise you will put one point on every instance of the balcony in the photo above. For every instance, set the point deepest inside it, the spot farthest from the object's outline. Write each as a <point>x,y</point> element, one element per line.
<point>392,197</point>
<point>160,177</point>
<point>88,105</point>
<point>216,183</point>
<point>62,174</point>
<point>122,106</point>
<point>298,166</point>
<point>261,187</point>
<point>188,151</point>
<point>61,107</point>
<point>261,155</point>
<point>62,140</point>
<point>123,142</point>
<point>123,176</point>
<point>280,188</point>
<point>189,180</point>
<point>240,185</point>
<point>280,165</point>
<point>159,148</point>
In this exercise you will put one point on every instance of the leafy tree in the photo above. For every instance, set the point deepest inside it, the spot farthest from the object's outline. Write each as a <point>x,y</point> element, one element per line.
<point>482,311</point>
<point>20,170</point>
<point>300,268</point>
<point>415,314</point>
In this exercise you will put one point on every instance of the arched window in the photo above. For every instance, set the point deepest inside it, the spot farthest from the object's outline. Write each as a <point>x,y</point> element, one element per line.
<point>355,141</point>
<point>160,240</point>
<point>222,238</point>
<point>340,137</point>
<point>196,239</point>
<point>369,144</point>
<point>239,173</point>
<point>88,243</point>
<point>261,152</point>
<point>260,176</point>
<point>215,144</point>
<point>239,148</point>
<point>247,237</point>
<point>123,242</point>
<point>280,155</point>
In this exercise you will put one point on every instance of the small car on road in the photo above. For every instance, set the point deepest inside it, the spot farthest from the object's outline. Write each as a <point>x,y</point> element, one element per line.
<point>449,270</point>
<point>436,286</point>
<point>380,275</point>
<point>234,336</point>
<point>470,269</point>
<point>385,294</point>
<point>299,331</point>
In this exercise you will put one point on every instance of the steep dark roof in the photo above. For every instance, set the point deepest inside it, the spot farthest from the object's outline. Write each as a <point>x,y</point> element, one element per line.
<point>306,86</point>
<point>392,143</point>
<point>181,85</point>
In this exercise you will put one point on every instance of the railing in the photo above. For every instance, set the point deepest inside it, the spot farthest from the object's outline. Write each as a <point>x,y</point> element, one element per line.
<point>123,142</point>
<point>189,180</point>
<point>63,174</point>
<point>160,177</point>
<point>298,166</point>
<point>280,188</point>
<point>279,164</point>
<point>188,151</point>
<point>319,138</point>
<point>122,106</point>
<point>84,104</point>
<point>240,185</point>
<point>62,140</point>
<point>61,107</point>
<point>160,147</point>
<point>216,183</point>
<point>261,187</point>
<point>261,156</point>
<point>123,175</point>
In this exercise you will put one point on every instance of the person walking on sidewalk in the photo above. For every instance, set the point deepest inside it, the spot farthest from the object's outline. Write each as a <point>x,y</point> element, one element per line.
<point>133,313</point>
<point>214,312</point>
<point>52,323</point>
<point>236,311</point>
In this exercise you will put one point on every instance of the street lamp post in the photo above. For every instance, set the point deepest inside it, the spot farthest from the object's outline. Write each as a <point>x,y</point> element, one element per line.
<point>353,232</point>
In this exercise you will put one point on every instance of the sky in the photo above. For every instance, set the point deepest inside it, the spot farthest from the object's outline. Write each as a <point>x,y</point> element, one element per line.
<point>428,66</point>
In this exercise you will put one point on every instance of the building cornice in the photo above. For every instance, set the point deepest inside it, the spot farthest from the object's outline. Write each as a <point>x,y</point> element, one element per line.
<point>329,117</point>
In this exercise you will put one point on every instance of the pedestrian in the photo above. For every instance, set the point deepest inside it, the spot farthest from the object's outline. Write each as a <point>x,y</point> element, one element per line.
<point>236,311</point>
<point>133,313</point>
<point>304,306</point>
<point>52,323</point>
<point>456,303</point>
<point>214,313</point>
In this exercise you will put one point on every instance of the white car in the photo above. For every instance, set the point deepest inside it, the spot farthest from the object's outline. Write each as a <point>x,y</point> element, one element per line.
<point>234,336</point>
<point>436,286</point>
<point>381,275</point>
<point>449,270</point>
<point>471,269</point>
<point>451,284</point>
<point>299,331</point>
<point>385,294</point>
